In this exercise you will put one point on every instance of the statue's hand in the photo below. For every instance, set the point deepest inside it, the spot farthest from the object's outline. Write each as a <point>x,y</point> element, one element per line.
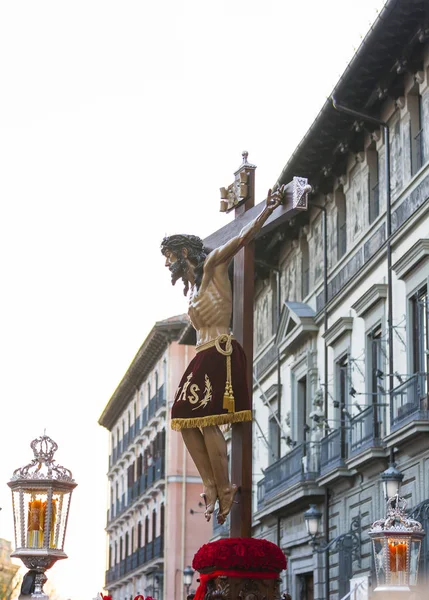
<point>274,199</point>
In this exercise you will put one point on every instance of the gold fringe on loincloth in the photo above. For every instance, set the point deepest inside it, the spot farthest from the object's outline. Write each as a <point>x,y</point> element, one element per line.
<point>228,418</point>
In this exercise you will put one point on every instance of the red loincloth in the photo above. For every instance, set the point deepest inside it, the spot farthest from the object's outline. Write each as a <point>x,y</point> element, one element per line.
<point>199,400</point>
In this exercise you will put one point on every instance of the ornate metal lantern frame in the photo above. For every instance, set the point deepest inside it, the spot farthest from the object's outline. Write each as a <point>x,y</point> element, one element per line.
<point>41,495</point>
<point>396,543</point>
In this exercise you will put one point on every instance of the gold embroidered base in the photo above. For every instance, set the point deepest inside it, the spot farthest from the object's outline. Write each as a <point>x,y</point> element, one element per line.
<point>238,417</point>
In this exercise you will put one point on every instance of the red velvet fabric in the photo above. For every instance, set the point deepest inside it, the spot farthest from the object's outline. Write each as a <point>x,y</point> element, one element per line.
<point>212,365</point>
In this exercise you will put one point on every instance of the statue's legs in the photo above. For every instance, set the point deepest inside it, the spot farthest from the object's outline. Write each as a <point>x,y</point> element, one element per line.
<point>195,443</point>
<point>216,450</point>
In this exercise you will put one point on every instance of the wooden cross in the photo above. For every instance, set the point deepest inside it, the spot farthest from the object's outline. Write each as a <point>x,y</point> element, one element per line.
<point>240,196</point>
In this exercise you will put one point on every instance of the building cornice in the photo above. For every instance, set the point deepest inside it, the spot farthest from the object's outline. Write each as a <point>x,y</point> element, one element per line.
<point>417,253</point>
<point>160,336</point>
<point>371,297</point>
<point>341,327</point>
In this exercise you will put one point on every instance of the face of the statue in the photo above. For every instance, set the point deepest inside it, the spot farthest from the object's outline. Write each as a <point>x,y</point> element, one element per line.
<point>178,265</point>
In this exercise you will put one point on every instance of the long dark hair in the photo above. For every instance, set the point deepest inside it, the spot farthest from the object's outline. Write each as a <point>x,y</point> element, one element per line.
<point>197,253</point>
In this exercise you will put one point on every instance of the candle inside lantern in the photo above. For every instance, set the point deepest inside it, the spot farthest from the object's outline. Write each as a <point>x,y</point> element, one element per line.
<point>37,515</point>
<point>398,561</point>
<point>35,524</point>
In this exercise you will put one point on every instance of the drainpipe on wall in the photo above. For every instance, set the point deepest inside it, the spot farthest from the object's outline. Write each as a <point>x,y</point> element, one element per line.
<point>384,125</point>
<point>325,374</point>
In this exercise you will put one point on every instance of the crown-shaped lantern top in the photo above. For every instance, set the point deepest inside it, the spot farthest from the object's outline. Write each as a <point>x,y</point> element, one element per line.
<point>43,464</point>
<point>396,520</point>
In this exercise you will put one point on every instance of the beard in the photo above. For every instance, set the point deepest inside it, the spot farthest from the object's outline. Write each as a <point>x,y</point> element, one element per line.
<point>179,270</point>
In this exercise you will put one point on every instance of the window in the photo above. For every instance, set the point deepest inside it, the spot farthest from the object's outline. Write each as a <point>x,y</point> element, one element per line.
<point>341,225</point>
<point>417,143</point>
<point>341,403</point>
<point>373,185</point>
<point>273,440</point>
<point>376,370</point>
<point>302,409</point>
<point>153,524</point>
<point>146,530</point>
<point>127,542</point>
<point>305,268</point>
<point>420,341</point>
<point>139,534</point>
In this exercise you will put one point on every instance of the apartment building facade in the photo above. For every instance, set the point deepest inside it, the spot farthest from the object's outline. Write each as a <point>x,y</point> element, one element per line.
<point>154,487</point>
<point>341,326</point>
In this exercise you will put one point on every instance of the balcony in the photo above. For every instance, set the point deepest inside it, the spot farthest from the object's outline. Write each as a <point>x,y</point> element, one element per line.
<point>333,452</point>
<point>220,531</point>
<point>409,414</point>
<point>366,434</point>
<point>138,558</point>
<point>291,477</point>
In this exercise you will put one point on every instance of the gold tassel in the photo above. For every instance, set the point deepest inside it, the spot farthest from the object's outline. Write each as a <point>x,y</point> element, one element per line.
<point>228,397</point>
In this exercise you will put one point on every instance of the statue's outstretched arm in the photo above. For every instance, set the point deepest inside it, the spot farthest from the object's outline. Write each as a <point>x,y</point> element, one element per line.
<point>225,253</point>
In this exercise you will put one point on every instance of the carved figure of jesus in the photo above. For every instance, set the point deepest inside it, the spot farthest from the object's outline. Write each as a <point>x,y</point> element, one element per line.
<point>213,390</point>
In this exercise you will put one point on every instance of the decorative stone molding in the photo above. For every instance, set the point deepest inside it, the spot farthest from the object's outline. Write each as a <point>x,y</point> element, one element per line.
<point>400,102</point>
<point>272,393</point>
<point>375,294</point>
<point>296,324</point>
<point>360,157</point>
<point>419,76</point>
<point>340,328</point>
<point>417,253</point>
<point>376,135</point>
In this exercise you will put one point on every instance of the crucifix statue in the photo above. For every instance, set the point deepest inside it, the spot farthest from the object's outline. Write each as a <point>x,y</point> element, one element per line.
<point>215,389</point>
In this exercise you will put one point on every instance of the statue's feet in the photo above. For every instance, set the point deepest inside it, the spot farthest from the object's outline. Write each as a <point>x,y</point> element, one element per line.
<point>209,496</point>
<point>226,500</point>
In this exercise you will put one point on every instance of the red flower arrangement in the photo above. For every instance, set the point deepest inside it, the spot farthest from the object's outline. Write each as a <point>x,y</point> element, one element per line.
<point>245,554</point>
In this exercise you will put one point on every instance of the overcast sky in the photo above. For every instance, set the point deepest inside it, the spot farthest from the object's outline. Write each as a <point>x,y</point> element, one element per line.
<point>119,121</point>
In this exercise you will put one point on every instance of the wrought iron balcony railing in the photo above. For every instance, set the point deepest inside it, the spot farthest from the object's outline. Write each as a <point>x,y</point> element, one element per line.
<point>333,451</point>
<point>409,402</point>
<point>366,430</point>
<point>299,465</point>
<point>150,551</point>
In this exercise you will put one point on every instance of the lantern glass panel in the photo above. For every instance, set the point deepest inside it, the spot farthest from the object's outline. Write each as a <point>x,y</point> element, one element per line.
<point>380,565</point>
<point>391,488</point>
<point>397,556</point>
<point>414,561</point>
<point>37,525</point>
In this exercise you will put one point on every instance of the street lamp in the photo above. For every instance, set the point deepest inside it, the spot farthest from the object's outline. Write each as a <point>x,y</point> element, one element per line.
<point>396,543</point>
<point>348,542</point>
<point>188,575</point>
<point>312,518</point>
<point>41,495</point>
<point>392,478</point>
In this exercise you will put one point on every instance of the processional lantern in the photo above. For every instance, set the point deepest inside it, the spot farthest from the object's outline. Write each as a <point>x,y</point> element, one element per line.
<point>396,544</point>
<point>41,495</point>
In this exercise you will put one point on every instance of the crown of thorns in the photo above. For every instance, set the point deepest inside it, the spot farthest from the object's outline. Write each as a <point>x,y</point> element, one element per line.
<point>174,243</point>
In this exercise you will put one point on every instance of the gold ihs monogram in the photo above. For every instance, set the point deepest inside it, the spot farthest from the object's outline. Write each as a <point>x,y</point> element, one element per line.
<point>193,397</point>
